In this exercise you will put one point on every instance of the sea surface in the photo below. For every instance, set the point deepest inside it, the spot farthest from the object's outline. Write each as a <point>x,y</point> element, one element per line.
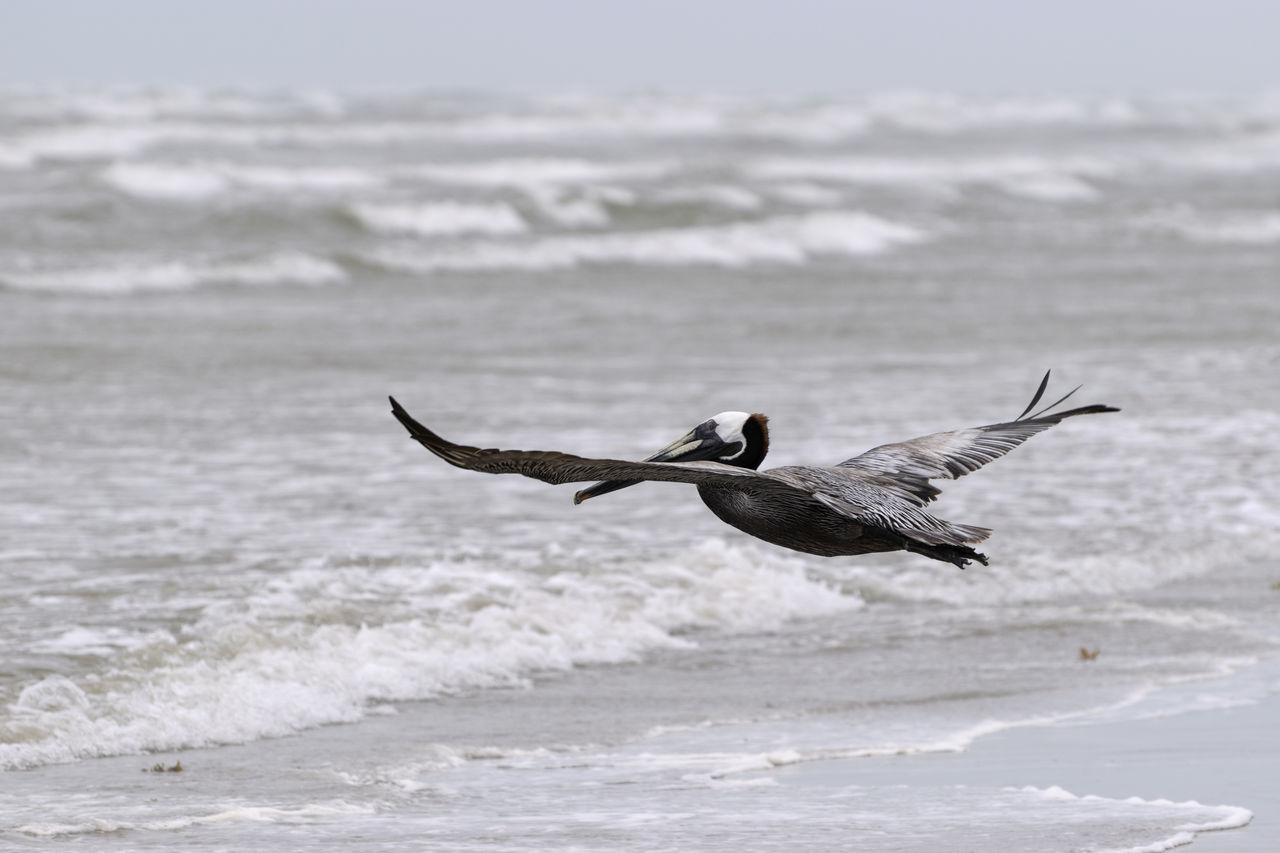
<point>220,552</point>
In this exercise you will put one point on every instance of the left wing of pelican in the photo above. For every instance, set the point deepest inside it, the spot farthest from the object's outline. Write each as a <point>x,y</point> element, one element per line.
<point>949,455</point>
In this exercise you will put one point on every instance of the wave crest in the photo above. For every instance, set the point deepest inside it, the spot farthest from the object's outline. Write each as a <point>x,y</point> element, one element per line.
<point>288,665</point>
<point>443,218</point>
<point>194,182</point>
<point>782,240</point>
<point>280,268</point>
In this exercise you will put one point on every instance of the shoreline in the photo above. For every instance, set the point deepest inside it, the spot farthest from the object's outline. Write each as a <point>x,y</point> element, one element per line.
<point>1216,757</point>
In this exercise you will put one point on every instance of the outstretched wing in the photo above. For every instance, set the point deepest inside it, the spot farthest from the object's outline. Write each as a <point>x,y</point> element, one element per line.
<point>907,466</point>
<point>556,468</point>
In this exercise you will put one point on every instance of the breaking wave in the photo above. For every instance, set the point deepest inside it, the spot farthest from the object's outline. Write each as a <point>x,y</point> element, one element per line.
<point>445,218</point>
<point>1033,176</point>
<point>281,268</point>
<point>526,171</point>
<point>278,662</point>
<point>199,181</point>
<point>782,240</point>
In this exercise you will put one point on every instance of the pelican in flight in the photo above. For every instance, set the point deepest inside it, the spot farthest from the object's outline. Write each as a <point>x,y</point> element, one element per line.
<point>874,502</point>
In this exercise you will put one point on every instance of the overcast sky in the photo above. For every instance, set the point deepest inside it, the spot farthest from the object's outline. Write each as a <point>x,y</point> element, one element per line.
<point>982,46</point>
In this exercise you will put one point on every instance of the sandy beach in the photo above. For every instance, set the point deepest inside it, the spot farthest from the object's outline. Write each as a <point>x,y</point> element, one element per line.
<point>1220,757</point>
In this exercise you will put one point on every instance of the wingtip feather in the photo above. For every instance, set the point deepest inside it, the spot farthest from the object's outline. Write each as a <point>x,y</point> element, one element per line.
<point>1044,383</point>
<point>1047,412</point>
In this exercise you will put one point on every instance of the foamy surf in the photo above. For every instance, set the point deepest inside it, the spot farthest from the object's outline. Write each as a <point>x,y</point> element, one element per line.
<point>438,219</point>
<point>938,112</point>
<point>1032,177</point>
<point>277,665</point>
<point>1033,574</point>
<point>1050,187</point>
<point>194,182</point>
<point>1188,818</point>
<point>309,813</point>
<point>283,268</point>
<point>539,171</point>
<point>781,240</point>
<point>773,802</point>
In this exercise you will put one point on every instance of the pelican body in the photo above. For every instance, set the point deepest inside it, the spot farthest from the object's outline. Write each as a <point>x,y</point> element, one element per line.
<point>873,502</point>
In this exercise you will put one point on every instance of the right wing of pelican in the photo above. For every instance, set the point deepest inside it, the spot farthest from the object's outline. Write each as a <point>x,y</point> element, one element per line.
<point>556,468</point>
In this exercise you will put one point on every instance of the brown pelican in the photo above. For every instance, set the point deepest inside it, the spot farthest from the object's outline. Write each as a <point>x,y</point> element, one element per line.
<point>873,502</point>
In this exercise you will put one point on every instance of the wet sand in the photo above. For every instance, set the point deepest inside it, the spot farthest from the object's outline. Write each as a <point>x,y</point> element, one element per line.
<point>1218,757</point>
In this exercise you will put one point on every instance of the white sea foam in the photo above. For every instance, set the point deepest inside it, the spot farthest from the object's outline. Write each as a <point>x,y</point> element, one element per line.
<point>165,182</point>
<point>1050,187</point>
<point>583,209</point>
<point>1206,818</point>
<point>825,122</point>
<point>542,121</point>
<point>321,178</point>
<point>1031,573</point>
<point>1032,176</point>
<point>259,814</point>
<point>102,124</point>
<point>276,664</point>
<point>527,171</point>
<point>439,218</point>
<point>119,138</point>
<point>782,240</point>
<point>80,640</point>
<point>280,268</point>
<point>686,748</point>
<point>116,139</point>
<point>1252,228</point>
<point>194,182</point>
<point>639,117</point>
<point>103,140</point>
<point>942,113</point>
<point>87,142</point>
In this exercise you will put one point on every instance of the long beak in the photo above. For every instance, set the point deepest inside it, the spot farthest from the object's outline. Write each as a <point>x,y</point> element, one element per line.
<point>699,443</point>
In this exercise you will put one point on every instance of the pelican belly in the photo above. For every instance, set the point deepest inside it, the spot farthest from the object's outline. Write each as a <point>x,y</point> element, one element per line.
<point>802,525</point>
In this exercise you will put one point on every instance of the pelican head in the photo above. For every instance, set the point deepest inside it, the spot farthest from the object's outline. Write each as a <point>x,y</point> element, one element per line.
<point>733,438</point>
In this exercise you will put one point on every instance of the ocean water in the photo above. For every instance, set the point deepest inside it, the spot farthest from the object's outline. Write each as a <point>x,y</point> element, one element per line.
<point>219,549</point>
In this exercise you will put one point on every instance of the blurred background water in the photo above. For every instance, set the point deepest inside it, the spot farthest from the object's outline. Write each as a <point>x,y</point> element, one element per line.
<point>217,543</point>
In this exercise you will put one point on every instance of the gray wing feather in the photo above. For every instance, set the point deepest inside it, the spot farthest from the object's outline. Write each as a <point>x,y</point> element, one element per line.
<point>949,454</point>
<point>907,466</point>
<point>876,499</point>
